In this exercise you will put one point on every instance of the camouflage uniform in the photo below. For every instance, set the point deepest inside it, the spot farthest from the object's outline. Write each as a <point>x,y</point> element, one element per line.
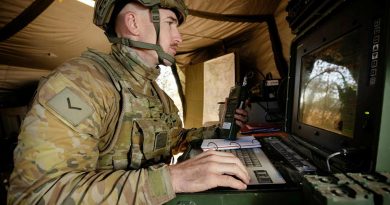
<point>99,132</point>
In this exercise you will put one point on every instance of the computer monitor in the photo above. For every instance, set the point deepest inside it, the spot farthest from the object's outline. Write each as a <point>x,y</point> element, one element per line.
<point>337,81</point>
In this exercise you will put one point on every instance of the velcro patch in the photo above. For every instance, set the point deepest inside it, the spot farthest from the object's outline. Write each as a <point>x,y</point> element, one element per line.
<point>161,140</point>
<point>70,106</point>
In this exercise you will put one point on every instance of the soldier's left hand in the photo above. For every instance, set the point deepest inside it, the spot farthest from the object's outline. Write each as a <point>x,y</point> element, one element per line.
<point>241,115</point>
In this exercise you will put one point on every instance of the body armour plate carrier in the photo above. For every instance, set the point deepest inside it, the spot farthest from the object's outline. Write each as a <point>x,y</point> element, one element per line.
<point>148,125</point>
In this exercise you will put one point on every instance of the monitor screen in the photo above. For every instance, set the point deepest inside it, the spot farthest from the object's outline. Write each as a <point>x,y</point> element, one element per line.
<point>336,83</point>
<point>329,85</point>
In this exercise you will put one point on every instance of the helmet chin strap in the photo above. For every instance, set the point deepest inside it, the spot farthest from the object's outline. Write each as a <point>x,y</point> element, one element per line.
<point>156,22</point>
<point>137,44</point>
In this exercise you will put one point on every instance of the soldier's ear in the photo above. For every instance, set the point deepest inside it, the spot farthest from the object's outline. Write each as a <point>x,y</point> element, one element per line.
<point>126,24</point>
<point>132,23</point>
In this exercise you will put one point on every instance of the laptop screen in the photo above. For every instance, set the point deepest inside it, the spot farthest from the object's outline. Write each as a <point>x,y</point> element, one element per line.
<point>329,87</point>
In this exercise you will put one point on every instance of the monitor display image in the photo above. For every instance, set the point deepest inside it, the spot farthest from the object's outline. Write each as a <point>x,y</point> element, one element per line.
<point>329,85</point>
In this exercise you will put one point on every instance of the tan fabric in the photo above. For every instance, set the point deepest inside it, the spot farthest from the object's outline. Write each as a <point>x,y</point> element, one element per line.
<point>12,78</point>
<point>65,29</point>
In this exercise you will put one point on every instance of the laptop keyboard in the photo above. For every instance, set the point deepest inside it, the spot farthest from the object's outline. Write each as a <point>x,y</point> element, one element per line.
<point>247,156</point>
<point>249,159</point>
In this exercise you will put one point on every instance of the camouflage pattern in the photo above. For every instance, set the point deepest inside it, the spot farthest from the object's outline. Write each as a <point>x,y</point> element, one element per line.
<point>114,154</point>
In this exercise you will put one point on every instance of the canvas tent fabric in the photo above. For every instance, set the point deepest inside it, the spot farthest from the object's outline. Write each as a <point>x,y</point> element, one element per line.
<point>63,30</point>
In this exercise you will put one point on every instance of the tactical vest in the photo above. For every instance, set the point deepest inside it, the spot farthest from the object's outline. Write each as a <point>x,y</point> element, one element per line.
<point>148,125</point>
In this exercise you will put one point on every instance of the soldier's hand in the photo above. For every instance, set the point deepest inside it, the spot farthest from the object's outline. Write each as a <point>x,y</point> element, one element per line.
<point>208,170</point>
<point>241,117</point>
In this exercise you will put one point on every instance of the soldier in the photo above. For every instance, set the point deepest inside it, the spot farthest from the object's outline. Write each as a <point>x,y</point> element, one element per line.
<point>100,130</point>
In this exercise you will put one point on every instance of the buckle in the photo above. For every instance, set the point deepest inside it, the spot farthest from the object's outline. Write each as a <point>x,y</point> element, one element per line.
<point>155,14</point>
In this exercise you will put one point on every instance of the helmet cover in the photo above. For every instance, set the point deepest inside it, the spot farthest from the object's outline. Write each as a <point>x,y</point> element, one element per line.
<point>104,10</point>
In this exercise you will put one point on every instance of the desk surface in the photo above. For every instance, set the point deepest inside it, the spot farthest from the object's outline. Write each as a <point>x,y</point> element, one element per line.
<point>290,197</point>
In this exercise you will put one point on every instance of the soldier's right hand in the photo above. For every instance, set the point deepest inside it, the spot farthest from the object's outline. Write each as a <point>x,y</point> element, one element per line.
<point>208,170</point>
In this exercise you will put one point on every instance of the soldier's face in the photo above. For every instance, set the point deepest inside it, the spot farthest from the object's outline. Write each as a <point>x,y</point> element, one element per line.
<point>169,38</point>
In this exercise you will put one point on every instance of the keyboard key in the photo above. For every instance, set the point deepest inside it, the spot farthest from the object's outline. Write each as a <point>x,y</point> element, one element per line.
<point>263,177</point>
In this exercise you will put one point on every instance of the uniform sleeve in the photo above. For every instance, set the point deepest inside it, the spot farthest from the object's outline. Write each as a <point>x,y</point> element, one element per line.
<point>56,159</point>
<point>186,136</point>
<point>203,133</point>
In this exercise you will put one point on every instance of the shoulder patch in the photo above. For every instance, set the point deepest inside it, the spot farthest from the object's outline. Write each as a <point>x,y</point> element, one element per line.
<point>70,106</point>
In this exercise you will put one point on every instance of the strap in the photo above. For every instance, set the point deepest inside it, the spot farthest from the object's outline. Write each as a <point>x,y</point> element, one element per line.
<point>107,63</point>
<point>156,21</point>
<point>138,44</point>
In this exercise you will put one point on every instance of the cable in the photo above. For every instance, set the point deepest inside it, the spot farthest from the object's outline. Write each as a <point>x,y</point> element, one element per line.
<point>328,159</point>
<point>344,151</point>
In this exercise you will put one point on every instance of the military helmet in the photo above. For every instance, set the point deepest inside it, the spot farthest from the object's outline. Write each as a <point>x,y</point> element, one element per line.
<point>106,10</point>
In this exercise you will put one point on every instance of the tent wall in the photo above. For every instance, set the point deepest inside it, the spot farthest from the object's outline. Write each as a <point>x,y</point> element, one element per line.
<point>254,45</point>
<point>193,96</point>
